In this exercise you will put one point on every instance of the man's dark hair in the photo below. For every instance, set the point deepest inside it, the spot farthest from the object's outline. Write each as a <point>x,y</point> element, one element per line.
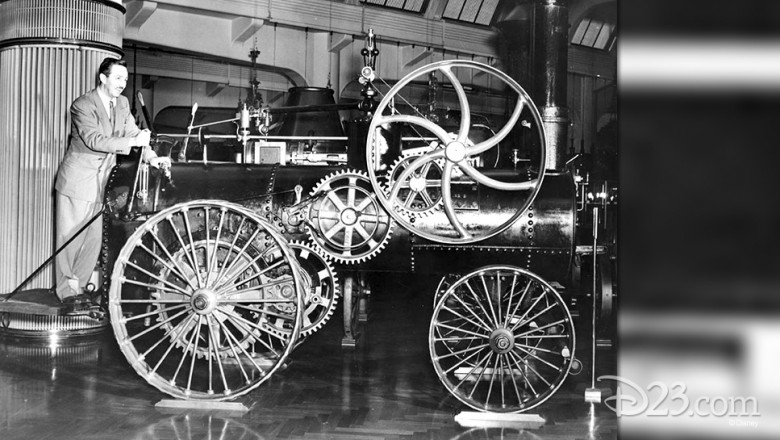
<point>108,63</point>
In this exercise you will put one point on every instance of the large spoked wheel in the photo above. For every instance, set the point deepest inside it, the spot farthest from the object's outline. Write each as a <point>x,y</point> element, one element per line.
<point>455,154</point>
<point>501,339</point>
<point>205,300</point>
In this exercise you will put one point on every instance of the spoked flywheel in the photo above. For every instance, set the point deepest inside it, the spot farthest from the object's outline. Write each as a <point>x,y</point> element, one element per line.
<point>501,339</point>
<point>197,295</point>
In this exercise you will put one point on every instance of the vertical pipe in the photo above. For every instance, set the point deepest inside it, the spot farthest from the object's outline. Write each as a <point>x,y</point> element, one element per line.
<point>535,37</point>
<point>38,81</point>
<point>550,67</point>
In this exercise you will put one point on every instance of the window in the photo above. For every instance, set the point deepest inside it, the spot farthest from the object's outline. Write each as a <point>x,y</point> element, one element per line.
<point>595,33</point>
<point>405,5</point>
<point>471,11</point>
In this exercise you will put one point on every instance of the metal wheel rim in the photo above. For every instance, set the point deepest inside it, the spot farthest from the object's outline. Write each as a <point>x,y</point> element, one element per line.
<point>213,314</point>
<point>379,119</point>
<point>465,345</point>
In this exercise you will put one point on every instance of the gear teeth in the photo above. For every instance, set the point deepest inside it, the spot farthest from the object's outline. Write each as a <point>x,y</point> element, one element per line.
<point>331,250</point>
<point>387,187</point>
<point>333,283</point>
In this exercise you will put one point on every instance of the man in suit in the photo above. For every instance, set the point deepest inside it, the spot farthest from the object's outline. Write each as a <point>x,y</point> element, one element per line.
<point>101,127</point>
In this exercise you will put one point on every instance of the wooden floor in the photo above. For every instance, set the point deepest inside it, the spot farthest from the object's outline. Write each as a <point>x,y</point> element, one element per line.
<point>385,388</point>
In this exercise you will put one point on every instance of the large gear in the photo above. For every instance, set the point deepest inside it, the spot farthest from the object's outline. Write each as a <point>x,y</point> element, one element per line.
<point>347,223</point>
<point>320,290</point>
<point>421,192</point>
<point>320,287</point>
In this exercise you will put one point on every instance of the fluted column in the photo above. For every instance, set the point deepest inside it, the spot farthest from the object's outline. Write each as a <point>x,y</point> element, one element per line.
<point>50,51</point>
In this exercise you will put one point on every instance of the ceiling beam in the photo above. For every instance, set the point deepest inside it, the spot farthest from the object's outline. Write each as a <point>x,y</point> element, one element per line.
<point>242,28</point>
<point>138,12</point>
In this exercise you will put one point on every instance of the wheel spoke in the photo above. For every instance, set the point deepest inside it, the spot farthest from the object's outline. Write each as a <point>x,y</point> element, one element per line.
<point>167,265</point>
<point>522,319</point>
<point>463,102</point>
<point>247,325</point>
<point>492,380</point>
<point>216,355</point>
<point>156,326</point>
<point>230,282</point>
<point>188,228</point>
<point>152,313</point>
<point>155,277</point>
<point>413,166</point>
<point>475,351</point>
<point>427,198</point>
<point>192,262</point>
<point>533,370</point>
<point>552,324</point>
<point>496,322</point>
<point>364,204</point>
<point>207,251</point>
<point>164,248</point>
<point>214,260</point>
<point>447,198</point>
<point>181,328</point>
<point>509,305</point>
<point>464,331</point>
<point>476,324</point>
<point>230,339</point>
<point>519,367</point>
<point>337,203</point>
<point>228,268</point>
<point>496,184</point>
<point>493,324</point>
<point>362,231</point>
<point>351,192</point>
<point>196,331</point>
<point>501,134</point>
<point>506,360</point>
<point>334,230</point>
<point>176,291</point>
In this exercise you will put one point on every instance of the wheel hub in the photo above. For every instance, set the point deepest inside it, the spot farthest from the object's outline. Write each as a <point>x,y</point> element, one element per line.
<point>417,183</point>
<point>204,301</point>
<point>502,341</point>
<point>349,216</point>
<point>455,151</point>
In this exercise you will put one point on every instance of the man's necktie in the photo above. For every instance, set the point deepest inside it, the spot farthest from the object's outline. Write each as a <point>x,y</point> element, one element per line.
<point>112,107</point>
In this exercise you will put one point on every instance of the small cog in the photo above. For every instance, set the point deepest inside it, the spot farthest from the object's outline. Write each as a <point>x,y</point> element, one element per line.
<point>347,222</point>
<point>420,193</point>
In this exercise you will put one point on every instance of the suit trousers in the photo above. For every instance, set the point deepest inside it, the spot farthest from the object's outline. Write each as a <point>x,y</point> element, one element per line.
<point>75,264</point>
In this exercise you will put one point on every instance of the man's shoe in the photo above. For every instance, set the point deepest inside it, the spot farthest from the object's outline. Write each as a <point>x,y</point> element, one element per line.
<point>77,301</point>
<point>81,299</point>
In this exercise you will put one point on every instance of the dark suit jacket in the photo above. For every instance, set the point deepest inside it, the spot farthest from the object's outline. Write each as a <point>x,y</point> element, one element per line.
<point>93,146</point>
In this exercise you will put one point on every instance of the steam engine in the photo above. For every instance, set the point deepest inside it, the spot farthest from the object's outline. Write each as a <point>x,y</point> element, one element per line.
<point>217,270</point>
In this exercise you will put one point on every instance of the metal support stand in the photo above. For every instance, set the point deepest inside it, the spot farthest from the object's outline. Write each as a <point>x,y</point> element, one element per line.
<point>178,406</point>
<point>350,317</point>
<point>362,306</point>
<point>593,394</point>
<point>472,419</point>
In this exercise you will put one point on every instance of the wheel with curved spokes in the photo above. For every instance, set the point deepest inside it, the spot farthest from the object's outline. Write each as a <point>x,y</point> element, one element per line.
<point>501,339</point>
<point>460,155</point>
<point>196,295</point>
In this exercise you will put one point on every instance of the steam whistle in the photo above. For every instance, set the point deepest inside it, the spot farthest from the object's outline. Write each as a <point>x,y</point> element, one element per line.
<point>368,74</point>
<point>243,128</point>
